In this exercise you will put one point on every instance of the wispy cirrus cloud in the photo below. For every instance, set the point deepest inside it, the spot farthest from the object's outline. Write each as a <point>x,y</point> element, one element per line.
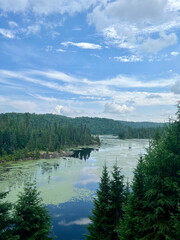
<point>48,7</point>
<point>7,33</point>
<point>112,98</point>
<point>12,24</point>
<point>83,45</point>
<point>85,86</point>
<point>131,58</point>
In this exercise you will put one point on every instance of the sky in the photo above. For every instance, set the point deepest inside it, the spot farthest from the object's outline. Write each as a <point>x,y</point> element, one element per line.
<point>116,59</point>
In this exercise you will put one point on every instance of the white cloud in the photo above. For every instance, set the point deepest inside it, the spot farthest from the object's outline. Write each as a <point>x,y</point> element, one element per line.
<point>48,99</point>
<point>48,6</point>
<point>132,82</point>
<point>105,98</point>
<point>54,75</point>
<point>131,58</point>
<point>33,29</point>
<point>95,55</point>
<point>81,221</point>
<point>83,45</point>
<point>14,5</point>
<point>155,45</point>
<point>174,5</point>
<point>147,99</point>
<point>153,95</point>
<point>49,48</point>
<point>12,24</point>
<point>117,109</point>
<point>176,87</point>
<point>124,23</point>
<point>174,54</point>
<point>7,33</point>
<point>129,23</point>
<point>66,111</point>
<point>60,50</point>
<point>85,87</point>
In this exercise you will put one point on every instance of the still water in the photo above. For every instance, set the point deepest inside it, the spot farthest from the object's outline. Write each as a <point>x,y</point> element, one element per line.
<point>67,185</point>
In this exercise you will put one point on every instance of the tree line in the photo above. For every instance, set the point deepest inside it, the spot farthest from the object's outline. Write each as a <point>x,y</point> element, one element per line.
<point>25,135</point>
<point>141,133</point>
<point>102,126</point>
<point>150,208</point>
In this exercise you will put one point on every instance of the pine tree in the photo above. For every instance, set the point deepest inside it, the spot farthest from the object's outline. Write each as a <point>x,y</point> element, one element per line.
<point>5,219</point>
<point>117,199</point>
<point>32,220</point>
<point>100,227</point>
<point>152,210</point>
<point>163,185</point>
<point>132,222</point>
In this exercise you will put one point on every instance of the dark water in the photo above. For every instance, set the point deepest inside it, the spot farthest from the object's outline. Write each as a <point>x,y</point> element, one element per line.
<point>83,153</point>
<point>70,219</point>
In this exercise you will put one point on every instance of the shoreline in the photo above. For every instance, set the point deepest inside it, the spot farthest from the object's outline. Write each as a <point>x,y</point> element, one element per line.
<point>68,152</point>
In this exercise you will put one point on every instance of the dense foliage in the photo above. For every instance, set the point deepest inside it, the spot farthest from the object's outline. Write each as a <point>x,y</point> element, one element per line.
<point>29,219</point>
<point>140,133</point>
<point>107,207</point>
<point>110,126</point>
<point>151,210</point>
<point>5,219</point>
<point>23,135</point>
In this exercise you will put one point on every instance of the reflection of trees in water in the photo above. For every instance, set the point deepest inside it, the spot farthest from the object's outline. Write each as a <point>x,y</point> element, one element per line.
<point>15,177</point>
<point>83,153</point>
<point>48,167</point>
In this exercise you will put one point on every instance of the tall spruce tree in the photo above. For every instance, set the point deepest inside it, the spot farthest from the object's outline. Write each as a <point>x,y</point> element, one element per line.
<point>117,199</point>
<point>163,185</point>
<point>132,223</point>
<point>5,218</point>
<point>154,212</point>
<point>32,220</point>
<point>100,227</point>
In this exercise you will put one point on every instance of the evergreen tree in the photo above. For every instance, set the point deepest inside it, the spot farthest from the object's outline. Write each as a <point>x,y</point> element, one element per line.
<point>5,219</point>
<point>132,223</point>
<point>175,225</point>
<point>117,199</point>
<point>152,211</point>
<point>100,228</point>
<point>32,220</point>
<point>162,185</point>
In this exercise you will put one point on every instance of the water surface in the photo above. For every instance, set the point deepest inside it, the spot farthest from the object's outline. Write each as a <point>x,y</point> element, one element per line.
<point>68,184</point>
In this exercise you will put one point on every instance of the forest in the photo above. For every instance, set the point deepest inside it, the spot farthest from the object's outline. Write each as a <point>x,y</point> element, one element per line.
<point>102,126</point>
<point>24,135</point>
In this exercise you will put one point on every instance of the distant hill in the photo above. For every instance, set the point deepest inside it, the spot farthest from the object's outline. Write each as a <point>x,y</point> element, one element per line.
<point>96,125</point>
<point>110,126</point>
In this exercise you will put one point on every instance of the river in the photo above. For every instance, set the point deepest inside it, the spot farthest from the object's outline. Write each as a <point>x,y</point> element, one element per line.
<point>68,184</point>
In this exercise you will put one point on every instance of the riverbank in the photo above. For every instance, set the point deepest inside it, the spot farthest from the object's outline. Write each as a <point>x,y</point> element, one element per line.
<point>23,155</point>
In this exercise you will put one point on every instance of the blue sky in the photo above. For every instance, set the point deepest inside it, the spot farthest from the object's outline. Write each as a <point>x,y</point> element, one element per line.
<point>116,59</point>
